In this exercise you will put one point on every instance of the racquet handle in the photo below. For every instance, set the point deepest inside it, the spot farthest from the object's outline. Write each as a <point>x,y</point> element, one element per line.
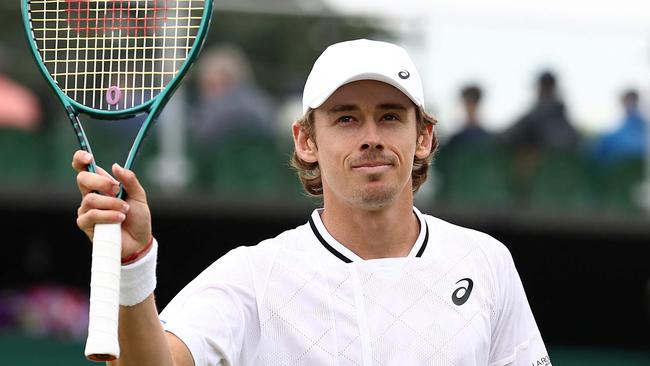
<point>102,343</point>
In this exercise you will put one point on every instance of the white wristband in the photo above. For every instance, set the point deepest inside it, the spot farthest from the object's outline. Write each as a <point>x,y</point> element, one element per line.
<point>138,279</point>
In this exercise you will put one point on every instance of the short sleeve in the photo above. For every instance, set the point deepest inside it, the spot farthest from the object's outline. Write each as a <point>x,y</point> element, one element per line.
<point>515,340</point>
<point>216,315</point>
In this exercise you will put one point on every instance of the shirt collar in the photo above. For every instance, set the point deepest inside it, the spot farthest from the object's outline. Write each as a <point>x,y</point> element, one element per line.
<point>346,255</point>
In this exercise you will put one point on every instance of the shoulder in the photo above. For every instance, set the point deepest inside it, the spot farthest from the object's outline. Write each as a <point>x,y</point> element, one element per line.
<point>242,267</point>
<point>448,231</point>
<point>291,239</point>
<point>458,242</point>
<point>244,259</point>
<point>262,256</point>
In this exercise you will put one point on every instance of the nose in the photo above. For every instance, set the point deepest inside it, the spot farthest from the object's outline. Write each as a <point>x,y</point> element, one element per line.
<point>371,138</point>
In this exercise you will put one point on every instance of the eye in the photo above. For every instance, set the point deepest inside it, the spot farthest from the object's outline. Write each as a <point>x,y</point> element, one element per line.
<point>345,119</point>
<point>390,117</point>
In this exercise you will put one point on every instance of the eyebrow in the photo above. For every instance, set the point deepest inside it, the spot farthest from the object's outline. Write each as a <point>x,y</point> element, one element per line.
<point>353,107</point>
<point>393,106</point>
<point>343,108</point>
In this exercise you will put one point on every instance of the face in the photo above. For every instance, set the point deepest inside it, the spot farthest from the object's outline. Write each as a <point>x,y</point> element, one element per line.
<point>365,141</point>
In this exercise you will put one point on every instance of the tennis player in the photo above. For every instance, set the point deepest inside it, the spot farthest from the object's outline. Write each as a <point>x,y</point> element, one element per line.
<point>368,280</point>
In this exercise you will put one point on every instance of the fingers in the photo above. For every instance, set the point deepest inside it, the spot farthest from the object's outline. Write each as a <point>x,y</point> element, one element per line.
<point>87,221</point>
<point>80,160</point>
<point>99,209</point>
<point>94,201</point>
<point>88,182</point>
<point>130,182</point>
<point>97,182</point>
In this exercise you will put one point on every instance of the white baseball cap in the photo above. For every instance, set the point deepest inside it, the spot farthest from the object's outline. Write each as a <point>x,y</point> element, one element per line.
<point>361,59</point>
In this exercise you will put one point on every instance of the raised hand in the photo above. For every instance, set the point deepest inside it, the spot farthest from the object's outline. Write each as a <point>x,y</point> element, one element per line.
<point>100,205</point>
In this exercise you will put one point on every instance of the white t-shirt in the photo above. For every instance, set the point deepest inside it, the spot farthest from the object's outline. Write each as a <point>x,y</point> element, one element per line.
<point>302,298</point>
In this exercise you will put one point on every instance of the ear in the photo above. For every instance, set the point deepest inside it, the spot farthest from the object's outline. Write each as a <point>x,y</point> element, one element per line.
<point>425,140</point>
<point>306,148</point>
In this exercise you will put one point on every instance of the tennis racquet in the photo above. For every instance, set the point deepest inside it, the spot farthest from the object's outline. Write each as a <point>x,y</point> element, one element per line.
<point>113,59</point>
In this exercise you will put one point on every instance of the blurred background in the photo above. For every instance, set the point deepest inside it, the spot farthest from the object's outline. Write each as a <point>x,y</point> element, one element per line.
<point>543,111</point>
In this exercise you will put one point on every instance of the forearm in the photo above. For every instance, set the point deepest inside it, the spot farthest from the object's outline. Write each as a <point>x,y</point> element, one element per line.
<point>141,336</point>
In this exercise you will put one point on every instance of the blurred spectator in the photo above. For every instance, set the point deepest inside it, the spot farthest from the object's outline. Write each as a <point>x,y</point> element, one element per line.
<point>472,132</point>
<point>472,169</point>
<point>545,126</point>
<point>545,164</point>
<point>629,139</point>
<point>229,100</point>
<point>19,107</point>
<point>49,310</point>
<point>233,123</point>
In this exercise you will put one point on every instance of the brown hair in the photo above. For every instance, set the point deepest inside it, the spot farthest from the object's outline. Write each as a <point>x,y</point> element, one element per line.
<point>309,173</point>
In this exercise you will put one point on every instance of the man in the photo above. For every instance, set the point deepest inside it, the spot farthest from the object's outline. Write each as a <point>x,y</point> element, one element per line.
<point>546,126</point>
<point>627,141</point>
<point>470,166</point>
<point>368,280</point>
<point>472,133</point>
<point>229,100</point>
<point>542,134</point>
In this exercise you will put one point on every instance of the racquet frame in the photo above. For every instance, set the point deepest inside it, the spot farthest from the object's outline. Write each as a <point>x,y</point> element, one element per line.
<point>102,343</point>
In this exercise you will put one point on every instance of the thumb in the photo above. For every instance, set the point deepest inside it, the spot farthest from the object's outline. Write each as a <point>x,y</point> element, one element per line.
<point>130,182</point>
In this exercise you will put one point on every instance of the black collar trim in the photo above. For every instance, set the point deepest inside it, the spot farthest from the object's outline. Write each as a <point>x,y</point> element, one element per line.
<point>425,241</point>
<point>326,245</point>
<point>345,259</point>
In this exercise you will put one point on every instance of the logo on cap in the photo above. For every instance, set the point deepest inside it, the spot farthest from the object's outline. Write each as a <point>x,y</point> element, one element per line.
<point>404,74</point>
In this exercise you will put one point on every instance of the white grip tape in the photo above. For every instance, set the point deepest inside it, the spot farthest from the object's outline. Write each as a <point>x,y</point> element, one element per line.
<point>102,343</point>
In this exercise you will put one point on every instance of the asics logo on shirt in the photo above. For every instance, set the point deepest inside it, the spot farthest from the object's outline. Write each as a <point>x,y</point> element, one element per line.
<point>404,74</point>
<point>467,291</point>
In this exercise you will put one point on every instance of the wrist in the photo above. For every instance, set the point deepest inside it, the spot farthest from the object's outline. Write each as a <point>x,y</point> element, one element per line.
<point>139,254</point>
<point>138,279</point>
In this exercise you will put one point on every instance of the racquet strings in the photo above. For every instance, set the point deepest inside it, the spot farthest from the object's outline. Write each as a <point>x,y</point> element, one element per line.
<point>112,55</point>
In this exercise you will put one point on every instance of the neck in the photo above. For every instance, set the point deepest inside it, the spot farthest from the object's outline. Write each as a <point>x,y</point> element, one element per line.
<point>389,232</point>
<point>471,122</point>
<point>472,118</point>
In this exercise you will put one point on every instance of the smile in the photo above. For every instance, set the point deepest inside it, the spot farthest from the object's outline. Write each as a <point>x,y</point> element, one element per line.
<point>372,167</point>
